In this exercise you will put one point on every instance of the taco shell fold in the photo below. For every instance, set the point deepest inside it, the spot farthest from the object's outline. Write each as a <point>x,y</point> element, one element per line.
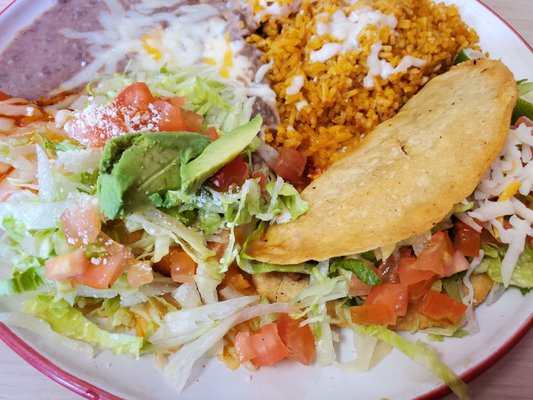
<point>407,174</point>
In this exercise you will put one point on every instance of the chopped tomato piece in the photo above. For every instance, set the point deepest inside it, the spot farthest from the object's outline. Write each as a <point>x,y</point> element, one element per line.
<point>134,98</point>
<point>467,239</point>
<point>290,164</point>
<point>211,133</point>
<point>261,178</point>
<point>243,347</point>
<point>66,266</point>
<point>4,96</point>
<point>182,266</point>
<point>96,130</point>
<point>140,273</point>
<point>170,117</point>
<point>233,173</point>
<point>193,121</point>
<point>81,225</point>
<point>393,295</point>
<point>299,340</point>
<point>438,252</point>
<point>459,263</point>
<point>263,347</point>
<point>358,287</point>
<point>104,271</point>
<point>442,308</point>
<point>268,346</point>
<point>410,275</point>
<point>388,270</point>
<point>373,314</point>
<point>177,101</point>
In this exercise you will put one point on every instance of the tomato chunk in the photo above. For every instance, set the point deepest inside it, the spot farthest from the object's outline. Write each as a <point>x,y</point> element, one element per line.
<point>373,314</point>
<point>243,347</point>
<point>392,295</point>
<point>104,271</point>
<point>263,347</point>
<point>192,120</point>
<point>211,133</point>
<point>134,98</point>
<point>358,287</point>
<point>140,273</point>
<point>66,266</point>
<point>442,308</point>
<point>178,265</point>
<point>233,173</point>
<point>81,225</point>
<point>523,120</point>
<point>299,340</point>
<point>290,164</point>
<point>410,275</point>
<point>170,117</point>
<point>467,239</point>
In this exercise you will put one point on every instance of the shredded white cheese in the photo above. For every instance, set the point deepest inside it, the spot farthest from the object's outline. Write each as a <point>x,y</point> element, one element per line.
<point>510,174</point>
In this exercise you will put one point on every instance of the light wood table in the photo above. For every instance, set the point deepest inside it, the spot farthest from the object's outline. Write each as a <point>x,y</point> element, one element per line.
<point>511,378</point>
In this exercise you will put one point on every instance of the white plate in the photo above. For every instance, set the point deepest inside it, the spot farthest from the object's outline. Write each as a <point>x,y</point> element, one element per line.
<point>396,377</point>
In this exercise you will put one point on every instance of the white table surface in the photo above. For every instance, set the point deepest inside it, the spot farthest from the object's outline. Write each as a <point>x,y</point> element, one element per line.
<point>511,378</point>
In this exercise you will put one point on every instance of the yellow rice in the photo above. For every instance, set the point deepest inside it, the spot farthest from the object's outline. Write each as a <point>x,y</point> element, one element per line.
<point>340,108</point>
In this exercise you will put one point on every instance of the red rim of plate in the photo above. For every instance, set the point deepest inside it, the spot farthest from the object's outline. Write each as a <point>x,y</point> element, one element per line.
<point>89,391</point>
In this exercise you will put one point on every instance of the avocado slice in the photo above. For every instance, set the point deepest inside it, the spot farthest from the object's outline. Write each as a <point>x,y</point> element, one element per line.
<point>137,165</point>
<point>218,154</point>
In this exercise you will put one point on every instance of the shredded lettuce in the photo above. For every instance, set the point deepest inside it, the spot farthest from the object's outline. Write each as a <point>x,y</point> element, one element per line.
<point>492,263</point>
<point>21,282</point>
<point>423,354</point>
<point>71,323</point>
<point>223,104</point>
<point>359,268</point>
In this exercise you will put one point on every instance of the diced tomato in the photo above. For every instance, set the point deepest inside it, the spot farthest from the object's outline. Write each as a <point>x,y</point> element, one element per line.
<point>530,241</point>
<point>81,225</point>
<point>193,121</point>
<point>66,266</point>
<point>178,265</point>
<point>373,314</point>
<point>410,275</point>
<point>459,263</point>
<point>233,173</point>
<point>290,164</point>
<point>392,295</point>
<point>358,287</point>
<point>263,347</point>
<point>523,120</point>
<point>211,133</point>
<point>438,252</point>
<point>177,101</point>
<point>96,130</point>
<point>442,308</point>
<point>4,96</point>
<point>134,98</point>
<point>268,346</point>
<point>170,117</point>
<point>140,273</point>
<point>467,239</point>
<point>299,340</point>
<point>182,266</point>
<point>261,178</point>
<point>388,270</point>
<point>104,271</point>
<point>243,347</point>
<point>418,281</point>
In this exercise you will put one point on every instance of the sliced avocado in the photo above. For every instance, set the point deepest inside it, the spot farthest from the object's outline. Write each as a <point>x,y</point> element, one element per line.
<point>218,154</point>
<point>135,166</point>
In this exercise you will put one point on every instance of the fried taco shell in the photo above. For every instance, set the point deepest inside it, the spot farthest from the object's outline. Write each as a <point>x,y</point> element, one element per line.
<point>407,174</point>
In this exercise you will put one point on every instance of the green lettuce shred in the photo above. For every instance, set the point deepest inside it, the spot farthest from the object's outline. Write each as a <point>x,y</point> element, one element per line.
<point>21,282</point>
<point>421,353</point>
<point>71,323</point>
<point>492,264</point>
